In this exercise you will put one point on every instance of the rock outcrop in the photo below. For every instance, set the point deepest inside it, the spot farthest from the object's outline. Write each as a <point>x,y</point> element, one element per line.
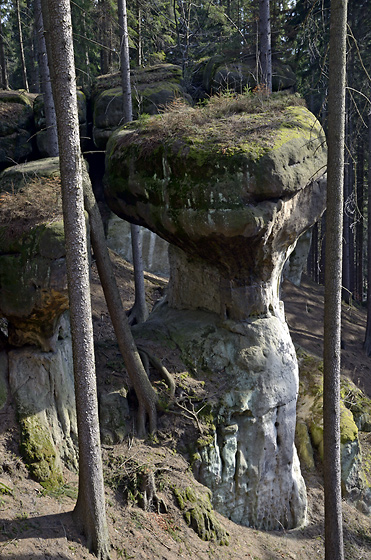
<point>16,127</point>
<point>34,301</point>
<point>153,88</point>
<point>355,416</point>
<point>232,187</point>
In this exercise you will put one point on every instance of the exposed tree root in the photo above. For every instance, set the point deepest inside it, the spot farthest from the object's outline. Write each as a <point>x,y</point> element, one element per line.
<point>156,363</point>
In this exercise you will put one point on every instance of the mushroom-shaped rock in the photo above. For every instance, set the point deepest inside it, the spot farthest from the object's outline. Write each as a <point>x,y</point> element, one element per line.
<point>233,190</point>
<point>231,186</point>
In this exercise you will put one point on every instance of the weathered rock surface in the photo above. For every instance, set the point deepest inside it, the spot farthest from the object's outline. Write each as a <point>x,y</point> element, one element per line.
<point>233,191</point>
<point>34,299</point>
<point>16,127</point>
<point>42,384</point>
<point>220,74</point>
<point>152,89</point>
<point>355,410</point>
<point>33,281</point>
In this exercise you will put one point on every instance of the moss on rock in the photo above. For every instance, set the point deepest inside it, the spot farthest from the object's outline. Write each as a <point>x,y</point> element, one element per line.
<point>38,450</point>
<point>199,514</point>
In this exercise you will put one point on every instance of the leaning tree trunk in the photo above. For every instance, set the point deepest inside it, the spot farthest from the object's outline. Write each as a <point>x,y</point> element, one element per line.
<point>265,45</point>
<point>21,49</point>
<point>90,507</point>
<point>46,86</point>
<point>143,389</point>
<point>332,326</point>
<point>367,343</point>
<point>139,312</point>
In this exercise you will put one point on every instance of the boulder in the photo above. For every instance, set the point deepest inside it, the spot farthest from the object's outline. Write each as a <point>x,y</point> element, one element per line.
<point>355,412</point>
<point>16,127</point>
<point>232,189</point>
<point>152,89</point>
<point>221,74</point>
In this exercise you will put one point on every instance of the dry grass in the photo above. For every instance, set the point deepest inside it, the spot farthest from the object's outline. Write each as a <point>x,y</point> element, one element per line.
<point>225,122</point>
<point>39,201</point>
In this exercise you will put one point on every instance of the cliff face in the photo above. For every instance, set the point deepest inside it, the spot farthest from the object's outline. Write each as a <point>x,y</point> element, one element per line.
<point>232,186</point>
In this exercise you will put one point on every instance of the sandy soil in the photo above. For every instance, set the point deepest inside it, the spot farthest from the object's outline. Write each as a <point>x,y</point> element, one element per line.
<point>37,525</point>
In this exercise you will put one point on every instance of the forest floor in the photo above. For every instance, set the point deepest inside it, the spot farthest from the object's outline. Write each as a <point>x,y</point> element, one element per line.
<point>36,525</point>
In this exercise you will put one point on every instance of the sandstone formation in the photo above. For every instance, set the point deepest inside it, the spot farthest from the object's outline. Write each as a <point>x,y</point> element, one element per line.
<point>16,127</point>
<point>152,89</point>
<point>232,187</point>
<point>355,409</point>
<point>34,301</point>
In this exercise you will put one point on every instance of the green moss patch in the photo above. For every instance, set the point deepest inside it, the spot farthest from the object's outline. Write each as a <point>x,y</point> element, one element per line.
<point>199,515</point>
<point>39,452</point>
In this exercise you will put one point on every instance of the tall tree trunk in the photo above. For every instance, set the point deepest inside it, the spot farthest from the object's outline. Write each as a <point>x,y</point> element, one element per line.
<point>367,343</point>
<point>4,74</point>
<point>265,44</point>
<point>139,32</point>
<point>21,49</point>
<point>359,226</point>
<point>90,507</point>
<point>104,30</point>
<point>139,312</point>
<point>46,86</point>
<point>332,325</point>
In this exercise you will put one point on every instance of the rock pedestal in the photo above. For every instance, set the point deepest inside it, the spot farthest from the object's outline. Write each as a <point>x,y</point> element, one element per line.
<point>232,191</point>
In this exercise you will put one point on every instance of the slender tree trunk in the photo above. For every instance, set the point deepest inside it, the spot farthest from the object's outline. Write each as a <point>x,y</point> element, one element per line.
<point>21,49</point>
<point>139,312</point>
<point>359,227</point>
<point>125,61</point>
<point>4,74</point>
<point>46,86</point>
<point>139,32</point>
<point>265,44</point>
<point>90,507</point>
<point>367,343</point>
<point>332,325</point>
<point>104,30</point>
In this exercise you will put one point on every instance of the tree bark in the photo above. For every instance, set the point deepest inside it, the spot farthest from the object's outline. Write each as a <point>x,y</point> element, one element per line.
<point>367,343</point>
<point>21,49</point>
<point>4,74</point>
<point>145,393</point>
<point>265,45</point>
<point>332,324</point>
<point>125,61</point>
<point>46,86</point>
<point>359,226</point>
<point>139,312</point>
<point>90,507</point>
